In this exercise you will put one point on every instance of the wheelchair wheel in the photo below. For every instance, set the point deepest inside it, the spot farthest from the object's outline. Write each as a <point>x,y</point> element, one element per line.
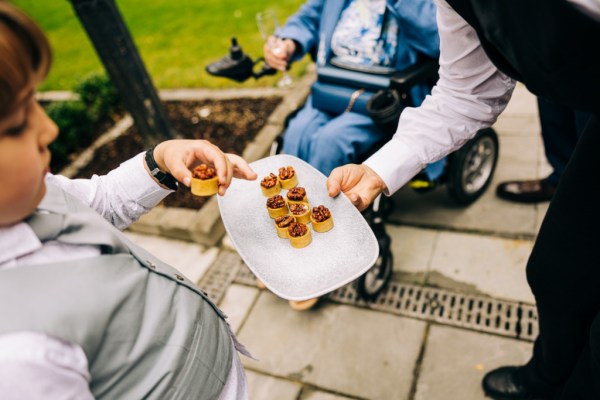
<point>375,279</point>
<point>471,168</point>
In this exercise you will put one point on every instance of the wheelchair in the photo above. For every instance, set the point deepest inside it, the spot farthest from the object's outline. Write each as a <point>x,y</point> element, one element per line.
<point>466,173</point>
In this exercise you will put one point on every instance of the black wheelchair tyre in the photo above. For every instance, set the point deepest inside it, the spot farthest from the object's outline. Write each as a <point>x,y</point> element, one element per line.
<point>372,282</point>
<point>471,168</point>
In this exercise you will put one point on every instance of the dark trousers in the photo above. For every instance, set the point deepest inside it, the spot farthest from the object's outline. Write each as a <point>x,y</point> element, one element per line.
<point>564,274</point>
<point>561,127</point>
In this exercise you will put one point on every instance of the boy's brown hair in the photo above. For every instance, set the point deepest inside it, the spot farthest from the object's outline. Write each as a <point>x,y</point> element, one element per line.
<point>24,54</point>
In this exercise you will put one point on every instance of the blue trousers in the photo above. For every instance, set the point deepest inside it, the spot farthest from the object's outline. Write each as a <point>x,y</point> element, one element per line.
<point>561,128</point>
<point>328,141</point>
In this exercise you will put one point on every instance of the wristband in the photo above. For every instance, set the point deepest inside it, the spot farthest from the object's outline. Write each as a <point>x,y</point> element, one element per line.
<point>162,177</point>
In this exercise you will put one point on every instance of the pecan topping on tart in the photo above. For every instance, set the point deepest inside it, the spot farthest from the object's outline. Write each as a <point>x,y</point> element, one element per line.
<point>298,208</point>
<point>286,172</point>
<point>284,221</point>
<point>320,213</point>
<point>203,172</point>
<point>276,201</point>
<point>297,229</point>
<point>269,181</point>
<point>296,194</point>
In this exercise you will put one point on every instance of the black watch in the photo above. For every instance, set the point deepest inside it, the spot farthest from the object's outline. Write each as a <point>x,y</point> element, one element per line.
<point>162,177</point>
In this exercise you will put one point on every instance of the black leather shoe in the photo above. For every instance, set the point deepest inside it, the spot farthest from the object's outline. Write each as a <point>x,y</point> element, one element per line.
<point>533,191</point>
<point>502,384</point>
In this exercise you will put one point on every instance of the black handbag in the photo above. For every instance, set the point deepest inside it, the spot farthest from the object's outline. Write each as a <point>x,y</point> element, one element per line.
<point>337,99</point>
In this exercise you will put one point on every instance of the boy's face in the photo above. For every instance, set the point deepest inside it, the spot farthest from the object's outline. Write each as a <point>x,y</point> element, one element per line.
<point>25,135</point>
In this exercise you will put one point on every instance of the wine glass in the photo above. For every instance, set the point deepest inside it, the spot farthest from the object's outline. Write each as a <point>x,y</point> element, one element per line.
<point>268,26</point>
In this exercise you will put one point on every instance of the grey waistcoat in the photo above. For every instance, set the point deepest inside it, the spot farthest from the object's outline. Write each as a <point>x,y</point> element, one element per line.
<point>147,331</point>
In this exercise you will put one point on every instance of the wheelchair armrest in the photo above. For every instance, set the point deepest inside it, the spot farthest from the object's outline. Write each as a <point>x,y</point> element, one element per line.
<point>424,71</point>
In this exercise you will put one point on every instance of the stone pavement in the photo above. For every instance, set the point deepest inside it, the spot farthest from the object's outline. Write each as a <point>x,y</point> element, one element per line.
<point>352,350</point>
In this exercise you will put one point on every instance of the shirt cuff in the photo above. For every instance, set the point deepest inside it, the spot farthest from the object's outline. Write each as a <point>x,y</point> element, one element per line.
<point>138,184</point>
<point>395,164</point>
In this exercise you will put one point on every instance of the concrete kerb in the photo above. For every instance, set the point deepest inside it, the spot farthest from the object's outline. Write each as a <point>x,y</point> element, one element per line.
<point>203,226</point>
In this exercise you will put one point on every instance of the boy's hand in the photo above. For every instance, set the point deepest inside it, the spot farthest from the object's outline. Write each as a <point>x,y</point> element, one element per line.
<point>358,182</point>
<point>179,156</point>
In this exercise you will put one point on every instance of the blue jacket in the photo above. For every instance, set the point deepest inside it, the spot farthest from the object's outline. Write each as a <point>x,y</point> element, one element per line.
<point>317,19</point>
<point>313,25</point>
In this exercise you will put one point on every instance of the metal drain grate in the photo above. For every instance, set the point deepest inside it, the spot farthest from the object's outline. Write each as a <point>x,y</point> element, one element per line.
<point>245,277</point>
<point>473,312</point>
<point>221,274</point>
<point>478,313</point>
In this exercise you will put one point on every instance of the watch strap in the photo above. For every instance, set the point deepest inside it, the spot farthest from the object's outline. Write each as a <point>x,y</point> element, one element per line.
<point>163,178</point>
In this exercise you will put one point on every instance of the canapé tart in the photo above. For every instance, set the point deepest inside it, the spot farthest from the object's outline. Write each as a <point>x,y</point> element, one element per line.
<point>204,181</point>
<point>276,206</point>
<point>301,211</point>
<point>299,235</point>
<point>270,185</point>
<point>287,177</point>
<point>297,195</point>
<point>321,219</point>
<point>282,223</point>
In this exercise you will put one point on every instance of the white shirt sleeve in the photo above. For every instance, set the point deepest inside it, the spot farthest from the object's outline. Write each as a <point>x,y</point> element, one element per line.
<point>469,96</point>
<point>121,196</point>
<point>34,366</point>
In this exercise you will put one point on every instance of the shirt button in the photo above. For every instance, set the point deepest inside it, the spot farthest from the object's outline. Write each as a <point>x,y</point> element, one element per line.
<point>179,277</point>
<point>151,264</point>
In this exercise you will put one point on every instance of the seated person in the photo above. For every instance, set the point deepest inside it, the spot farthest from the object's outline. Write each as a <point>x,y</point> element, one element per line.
<point>354,32</point>
<point>86,313</point>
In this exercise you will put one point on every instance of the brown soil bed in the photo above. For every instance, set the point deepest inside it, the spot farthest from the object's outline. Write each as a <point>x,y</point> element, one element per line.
<point>229,124</point>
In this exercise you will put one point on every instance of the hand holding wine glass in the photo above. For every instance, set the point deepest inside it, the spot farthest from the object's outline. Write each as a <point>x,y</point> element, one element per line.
<point>277,51</point>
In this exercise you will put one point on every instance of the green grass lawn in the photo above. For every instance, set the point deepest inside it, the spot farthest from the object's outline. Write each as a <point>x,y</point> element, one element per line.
<point>176,38</point>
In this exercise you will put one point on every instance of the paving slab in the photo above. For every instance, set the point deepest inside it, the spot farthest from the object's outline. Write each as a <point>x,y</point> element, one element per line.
<point>335,348</point>
<point>540,213</point>
<point>482,264</point>
<point>309,394</point>
<point>456,360</point>
<point>519,154</point>
<point>264,387</point>
<point>412,249</point>
<point>518,125</point>
<point>236,304</point>
<point>489,213</point>
<point>191,259</point>
<point>522,103</point>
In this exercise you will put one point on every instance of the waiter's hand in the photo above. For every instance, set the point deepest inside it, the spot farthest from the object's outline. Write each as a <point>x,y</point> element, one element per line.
<point>358,182</point>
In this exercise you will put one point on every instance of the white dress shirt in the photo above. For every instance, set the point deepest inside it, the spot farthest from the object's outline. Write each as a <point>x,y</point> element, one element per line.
<point>470,94</point>
<point>37,366</point>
